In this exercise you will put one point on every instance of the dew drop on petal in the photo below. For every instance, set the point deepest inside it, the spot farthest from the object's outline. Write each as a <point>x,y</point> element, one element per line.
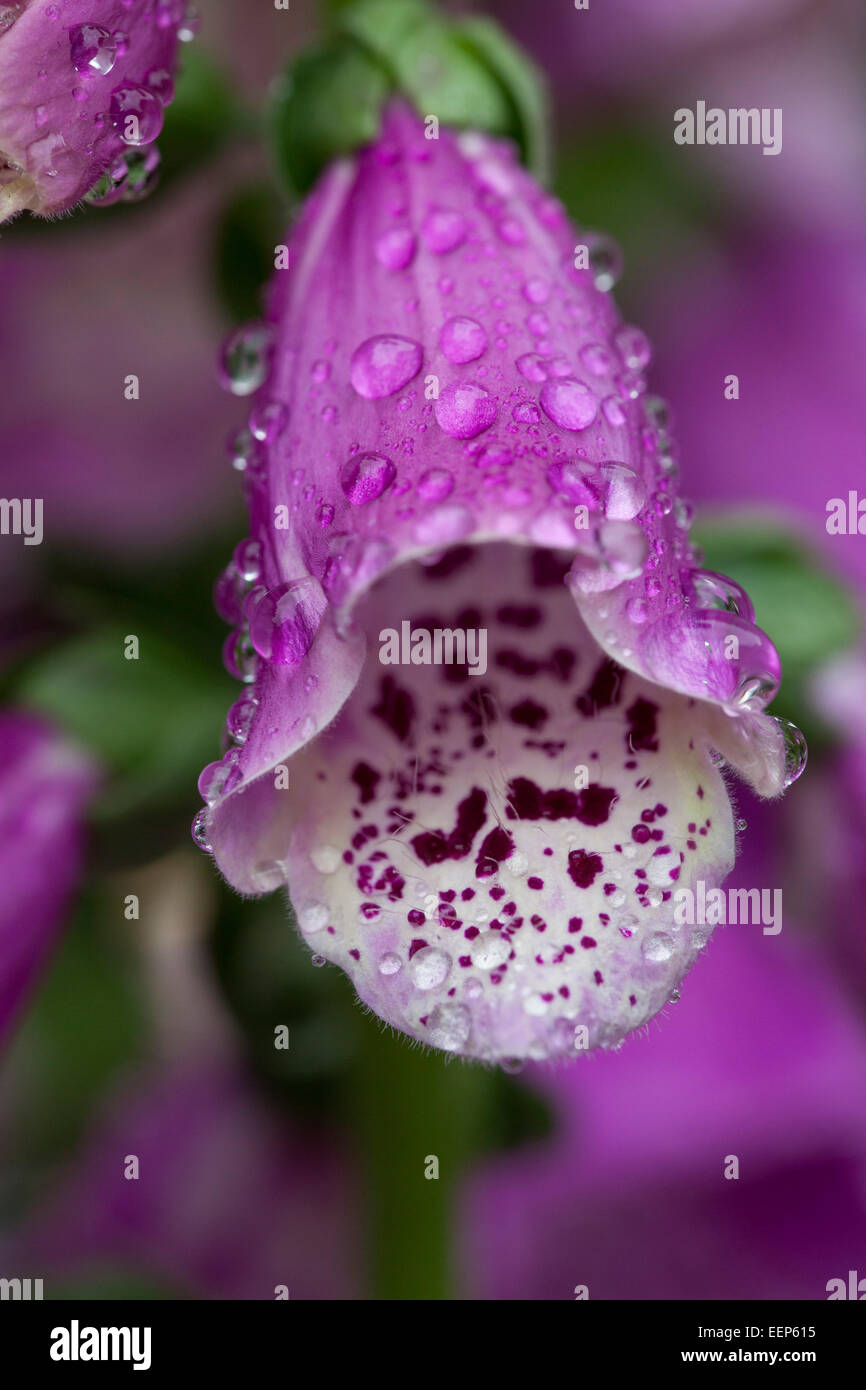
<point>449,1026</point>
<point>569,403</point>
<point>462,339</point>
<point>796,751</point>
<point>365,477</point>
<point>658,947</point>
<point>389,964</point>
<point>429,967</point>
<point>93,49</point>
<point>136,114</point>
<point>464,410</point>
<point>395,249</point>
<point>384,364</point>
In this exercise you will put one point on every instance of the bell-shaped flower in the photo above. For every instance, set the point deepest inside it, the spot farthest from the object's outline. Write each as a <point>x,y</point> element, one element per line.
<point>490,693</point>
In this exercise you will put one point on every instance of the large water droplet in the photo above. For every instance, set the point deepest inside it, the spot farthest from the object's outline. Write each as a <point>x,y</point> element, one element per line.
<point>716,591</point>
<point>462,339</point>
<point>569,403</point>
<point>449,1026</point>
<point>136,114</point>
<point>658,947</point>
<point>796,750</point>
<point>489,950</point>
<point>429,967</point>
<point>284,621</point>
<point>389,964</point>
<point>383,364</point>
<point>625,492</point>
<point>93,50</point>
<point>217,780</point>
<point>200,830</point>
<point>464,410</point>
<point>443,230</point>
<point>245,358</point>
<point>395,249</point>
<point>605,260</point>
<point>365,477</point>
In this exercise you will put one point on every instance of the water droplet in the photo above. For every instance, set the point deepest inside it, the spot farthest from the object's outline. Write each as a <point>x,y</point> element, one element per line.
<point>429,967</point>
<point>625,492</point>
<point>268,419</point>
<point>658,947</point>
<point>136,115</point>
<point>320,371</point>
<point>569,403</point>
<point>395,249</point>
<point>240,657</point>
<point>605,260</point>
<point>536,290</point>
<point>636,611</point>
<point>326,859</point>
<point>313,918</point>
<point>613,412</point>
<point>716,591</point>
<point>389,964</point>
<point>462,339</point>
<point>365,477</point>
<point>245,358</point>
<point>93,50</point>
<point>449,1026</point>
<point>217,780</point>
<point>436,484</point>
<point>742,824</point>
<point>284,621</point>
<point>532,366</point>
<point>247,559</point>
<point>489,950</point>
<point>464,410</point>
<point>200,830</point>
<point>443,230</point>
<point>189,25</point>
<point>161,83</point>
<point>634,347</point>
<point>384,364</point>
<point>513,1065</point>
<point>318,961</point>
<point>269,874</point>
<point>796,750</point>
<point>240,717</point>
<point>444,525</point>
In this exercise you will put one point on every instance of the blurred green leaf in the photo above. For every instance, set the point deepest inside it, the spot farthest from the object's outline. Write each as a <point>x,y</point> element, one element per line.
<point>523,84</point>
<point>329,102</point>
<point>248,230</point>
<point>153,722</point>
<point>83,1028</point>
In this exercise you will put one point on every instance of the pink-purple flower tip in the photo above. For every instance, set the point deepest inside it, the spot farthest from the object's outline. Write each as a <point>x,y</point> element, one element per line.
<point>83,87</point>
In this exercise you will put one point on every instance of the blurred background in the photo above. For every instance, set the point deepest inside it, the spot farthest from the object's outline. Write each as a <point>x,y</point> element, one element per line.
<point>147,994</point>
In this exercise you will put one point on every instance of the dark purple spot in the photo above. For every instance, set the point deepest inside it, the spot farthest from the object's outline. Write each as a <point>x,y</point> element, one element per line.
<point>367,779</point>
<point>642,735</point>
<point>396,708</point>
<point>604,690</point>
<point>584,867</point>
<point>529,714</point>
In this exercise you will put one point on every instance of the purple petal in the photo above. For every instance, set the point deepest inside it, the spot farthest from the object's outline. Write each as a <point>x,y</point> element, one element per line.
<point>44,789</point>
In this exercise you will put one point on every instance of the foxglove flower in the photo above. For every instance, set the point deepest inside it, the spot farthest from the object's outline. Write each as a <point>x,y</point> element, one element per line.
<point>44,788</point>
<point>449,433</point>
<point>83,85</point>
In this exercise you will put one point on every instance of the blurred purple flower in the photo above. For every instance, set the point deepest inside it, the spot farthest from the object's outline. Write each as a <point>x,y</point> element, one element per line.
<point>761,1061</point>
<point>82,82</point>
<point>788,317</point>
<point>124,475</point>
<point>44,789</point>
<point>443,367</point>
<point>635,41</point>
<point>231,1201</point>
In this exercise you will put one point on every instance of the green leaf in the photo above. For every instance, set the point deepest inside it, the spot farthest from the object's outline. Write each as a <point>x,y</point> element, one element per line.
<point>248,230</point>
<point>153,722</point>
<point>429,63</point>
<point>328,104</point>
<point>523,84</point>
